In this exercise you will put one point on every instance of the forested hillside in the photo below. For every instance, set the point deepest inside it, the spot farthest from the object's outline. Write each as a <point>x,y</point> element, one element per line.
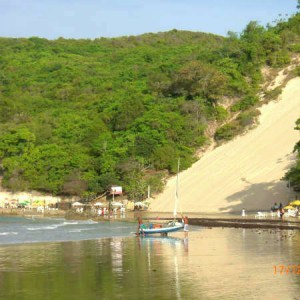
<point>77,116</point>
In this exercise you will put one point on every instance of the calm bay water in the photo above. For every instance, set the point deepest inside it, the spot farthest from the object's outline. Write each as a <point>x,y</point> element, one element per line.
<point>59,259</point>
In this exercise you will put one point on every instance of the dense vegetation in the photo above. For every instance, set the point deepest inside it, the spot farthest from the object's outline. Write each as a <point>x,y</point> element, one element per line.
<point>77,116</point>
<point>293,175</point>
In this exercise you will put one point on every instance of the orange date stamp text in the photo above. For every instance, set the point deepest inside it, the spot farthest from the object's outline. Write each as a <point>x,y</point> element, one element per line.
<point>286,269</point>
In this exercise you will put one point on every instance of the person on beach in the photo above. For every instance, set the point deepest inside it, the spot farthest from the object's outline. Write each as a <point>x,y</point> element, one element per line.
<point>281,213</point>
<point>140,221</point>
<point>278,213</point>
<point>186,223</point>
<point>243,213</point>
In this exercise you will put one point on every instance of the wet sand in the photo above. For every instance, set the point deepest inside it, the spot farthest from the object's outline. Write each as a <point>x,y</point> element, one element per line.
<point>230,221</point>
<point>246,223</point>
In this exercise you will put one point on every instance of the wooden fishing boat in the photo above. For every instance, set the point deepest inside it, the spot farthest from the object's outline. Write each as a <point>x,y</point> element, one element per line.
<point>164,230</point>
<point>171,226</point>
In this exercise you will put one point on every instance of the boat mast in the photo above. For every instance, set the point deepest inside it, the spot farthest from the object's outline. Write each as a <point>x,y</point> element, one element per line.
<point>176,191</point>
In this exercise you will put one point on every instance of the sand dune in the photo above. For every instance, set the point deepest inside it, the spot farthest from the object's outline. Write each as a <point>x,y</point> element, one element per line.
<point>245,172</point>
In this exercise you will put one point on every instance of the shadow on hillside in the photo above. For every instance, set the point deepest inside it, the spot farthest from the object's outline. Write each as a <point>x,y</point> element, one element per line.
<point>262,196</point>
<point>292,158</point>
<point>259,196</point>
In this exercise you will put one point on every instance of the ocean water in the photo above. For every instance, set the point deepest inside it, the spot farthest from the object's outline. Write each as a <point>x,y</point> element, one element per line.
<point>14,230</point>
<point>59,259</point>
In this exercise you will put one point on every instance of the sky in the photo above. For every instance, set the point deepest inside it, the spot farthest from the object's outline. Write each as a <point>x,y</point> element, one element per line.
<point>91,19</point>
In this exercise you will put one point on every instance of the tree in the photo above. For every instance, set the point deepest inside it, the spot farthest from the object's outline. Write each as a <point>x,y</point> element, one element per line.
<point>197,79</point>
<point>128,110</point>
<point>16,142</point>
<point>293,175</point>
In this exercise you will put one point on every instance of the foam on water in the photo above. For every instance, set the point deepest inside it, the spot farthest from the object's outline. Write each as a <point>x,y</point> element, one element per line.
<point>8,233</point>
<point>42,228</point>
<point>69,223</point>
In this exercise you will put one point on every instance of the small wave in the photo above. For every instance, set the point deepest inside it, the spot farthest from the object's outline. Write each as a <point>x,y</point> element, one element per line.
<point>54,219</point>
<point>69,223</point>
<point>75,230</point>
<point>87,222</point>
<point>91,222</point>
<point>8,233</point>
<point>65,224</point>
<point>42,228</point>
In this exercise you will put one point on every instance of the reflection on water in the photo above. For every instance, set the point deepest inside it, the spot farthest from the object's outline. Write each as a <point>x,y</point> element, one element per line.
<point>205,264</point>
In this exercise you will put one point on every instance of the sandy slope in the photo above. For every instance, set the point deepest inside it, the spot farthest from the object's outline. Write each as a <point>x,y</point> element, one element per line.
<point>246,172</point>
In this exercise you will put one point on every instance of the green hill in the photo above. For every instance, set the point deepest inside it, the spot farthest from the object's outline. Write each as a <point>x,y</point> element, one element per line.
<point>77,116</point>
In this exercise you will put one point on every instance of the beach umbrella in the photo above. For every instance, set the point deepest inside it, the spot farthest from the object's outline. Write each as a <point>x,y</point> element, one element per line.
<point>98,204</point>
<point>295,203</point>
<point>77,204</point>
<point>289,207</point>
<point>130,205</point>
<point>140,204</point>
<point>117,204</point>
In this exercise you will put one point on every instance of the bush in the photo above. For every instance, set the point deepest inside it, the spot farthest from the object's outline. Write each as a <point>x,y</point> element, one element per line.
<point>230,130</point>
<point>245,103</point>
<point>273,94</point>
<point>226,132</point>
<point>221,113</point>
<point>247,118</point>
<point>296,71</point>
<point>295,48</point>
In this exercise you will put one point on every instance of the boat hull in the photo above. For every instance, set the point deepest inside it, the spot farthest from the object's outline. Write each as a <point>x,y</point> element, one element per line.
<point>162,230</point>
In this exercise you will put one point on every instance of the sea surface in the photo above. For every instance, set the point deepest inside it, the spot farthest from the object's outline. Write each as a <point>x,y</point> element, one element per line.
<point>61,259</point>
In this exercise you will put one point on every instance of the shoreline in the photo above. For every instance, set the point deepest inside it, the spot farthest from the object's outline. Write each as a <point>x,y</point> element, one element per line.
<point>27,213</point>
<point>224,221</point>
<point>246,223</point>
<point>243,223</point>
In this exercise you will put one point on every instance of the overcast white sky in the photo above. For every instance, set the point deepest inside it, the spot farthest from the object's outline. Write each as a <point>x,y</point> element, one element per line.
<point>110,18</point>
